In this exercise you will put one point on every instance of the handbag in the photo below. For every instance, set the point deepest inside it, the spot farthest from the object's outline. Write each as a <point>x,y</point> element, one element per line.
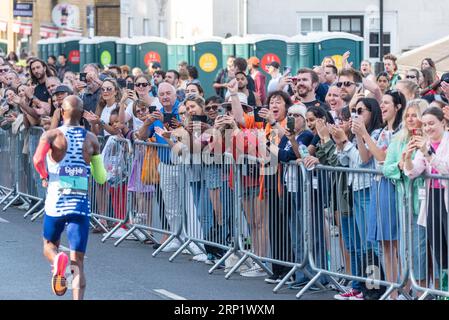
<point>150,174</point>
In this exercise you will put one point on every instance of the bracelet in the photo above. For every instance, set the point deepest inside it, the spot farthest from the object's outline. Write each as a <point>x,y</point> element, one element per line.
<point>234,94</point>
<point>273,123</point>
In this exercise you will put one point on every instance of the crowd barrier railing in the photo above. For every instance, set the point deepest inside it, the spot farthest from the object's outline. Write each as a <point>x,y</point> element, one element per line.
<point>428,229</point>
<point>324,225</point>
<point>110,201</point>
<point>363,205</point>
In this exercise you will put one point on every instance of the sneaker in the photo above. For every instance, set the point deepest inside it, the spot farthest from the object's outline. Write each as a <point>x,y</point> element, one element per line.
<point>402,297</point>
<point>349,295</point>
<point>172,246</point>
<point>273,279</point>
<point>58,280</point>
<point>200,258</point>
<point>254,272</point>
<point>25,206</point>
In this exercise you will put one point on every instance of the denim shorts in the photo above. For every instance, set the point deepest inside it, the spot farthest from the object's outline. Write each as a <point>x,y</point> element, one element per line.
<point>213,177</point>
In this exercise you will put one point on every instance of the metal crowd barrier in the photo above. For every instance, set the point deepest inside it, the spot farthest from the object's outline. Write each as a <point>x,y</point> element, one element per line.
<point>209,217</point>
<point>428,240</point>
<point>110,202</point>
<point>25,181</point>
<point>156,195</point>
<point>7,180</point>
<point>369,221</point>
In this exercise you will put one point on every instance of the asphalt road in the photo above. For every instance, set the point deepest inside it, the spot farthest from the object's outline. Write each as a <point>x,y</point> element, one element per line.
<point>127,272</point>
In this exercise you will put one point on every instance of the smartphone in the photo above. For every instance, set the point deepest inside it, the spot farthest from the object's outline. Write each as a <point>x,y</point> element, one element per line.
<point>196,118</point>
<point>168,118</point>
<point>417,132</point>
<point>151,109</point>
<point>257,117</point>
<point>294,80</point>
<point>354,115</point>
<point>130,86</point>
<point>221,111</point>
<point>83,76</point>
<point>287,71</point>
<point>360,88</point>
<point>291,124</point>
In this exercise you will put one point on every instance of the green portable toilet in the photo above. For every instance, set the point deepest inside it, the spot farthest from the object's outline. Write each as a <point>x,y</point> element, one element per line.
<point>206,55</point>
<point>268,48</point>
<point>293,57</point>
<point>151,49</point>
<point>50,47</point>
<point>130,52</point>
<point>87,51</point>
<point>243,47</point>
<point>70,46</point>
<point>335,44</point>
<point>120,45</point>
<point>42,49</point>
<point>3,47</point>
<point>105,50</point>
<point>177,51</point>
<point>306,52</point>
<point>229,48</point>
<point>56,47</point>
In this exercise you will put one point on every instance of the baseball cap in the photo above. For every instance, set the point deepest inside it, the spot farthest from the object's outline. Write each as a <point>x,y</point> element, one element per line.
<point>254,61</point>
<point>156,65</point>
<point>63,88</point>
<point>274,64</point>
<point>243,101</point>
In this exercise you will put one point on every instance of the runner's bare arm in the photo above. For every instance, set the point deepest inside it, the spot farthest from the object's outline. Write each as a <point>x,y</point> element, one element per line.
<point>41,152</point>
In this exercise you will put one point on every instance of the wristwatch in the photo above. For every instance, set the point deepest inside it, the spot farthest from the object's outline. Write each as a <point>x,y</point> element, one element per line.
<point>102,123</point>
<point>273,123</point>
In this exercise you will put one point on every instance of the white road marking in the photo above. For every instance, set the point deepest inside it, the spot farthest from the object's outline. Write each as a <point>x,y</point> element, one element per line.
<point>3,221</point>
<point>169,294</point>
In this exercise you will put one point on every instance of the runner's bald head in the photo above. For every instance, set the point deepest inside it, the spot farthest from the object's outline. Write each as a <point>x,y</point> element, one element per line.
<point>73,109</point>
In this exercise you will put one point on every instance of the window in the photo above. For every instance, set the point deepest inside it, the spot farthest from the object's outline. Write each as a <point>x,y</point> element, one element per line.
<point>374,43</point>
<point>311,25</point>
<point>130,27</point>
<point>146,27</point>
<point>350,24</point>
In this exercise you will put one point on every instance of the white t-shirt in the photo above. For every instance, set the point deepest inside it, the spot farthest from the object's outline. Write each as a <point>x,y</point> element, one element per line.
<point>273,85</point>
<point>137,123</point>
<point>106,115</point>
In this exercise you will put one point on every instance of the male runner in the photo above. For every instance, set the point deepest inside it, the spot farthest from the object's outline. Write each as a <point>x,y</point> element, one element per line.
<point>71,148</point>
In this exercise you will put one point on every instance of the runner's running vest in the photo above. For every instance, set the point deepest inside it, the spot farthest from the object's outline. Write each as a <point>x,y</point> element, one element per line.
<point>68,184</point>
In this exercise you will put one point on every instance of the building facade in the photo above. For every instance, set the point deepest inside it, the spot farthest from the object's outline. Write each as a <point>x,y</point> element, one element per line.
<point>55,18</point>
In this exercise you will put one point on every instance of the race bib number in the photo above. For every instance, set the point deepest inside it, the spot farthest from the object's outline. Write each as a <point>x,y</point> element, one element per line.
<point>73,178</point>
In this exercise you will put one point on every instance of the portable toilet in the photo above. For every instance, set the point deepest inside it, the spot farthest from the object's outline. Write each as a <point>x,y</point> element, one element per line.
<point>105,50</point>
<point>56,44</point>
<point>120,45</point>
<point>71,48</point>
<point>229,48</point>
<point>87,51</point>
<point>268,48</point>
<point>51,47</point>
<point>4,48</point>
<point>42,49</point>
<point>130,52</point>
<point>242,47</point>
<point>206,54</point>
<point>293,57</point>
<point>177,51</point>
<point>335,44</point>
<point>151,49</point>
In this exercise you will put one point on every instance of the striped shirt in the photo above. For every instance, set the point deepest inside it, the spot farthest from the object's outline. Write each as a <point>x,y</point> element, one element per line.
<point>68,184</point>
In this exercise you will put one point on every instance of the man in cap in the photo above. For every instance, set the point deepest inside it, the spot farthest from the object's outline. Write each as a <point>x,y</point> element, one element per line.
<point>276,76</point>
<point>61,92</point>
<point>258,77</point>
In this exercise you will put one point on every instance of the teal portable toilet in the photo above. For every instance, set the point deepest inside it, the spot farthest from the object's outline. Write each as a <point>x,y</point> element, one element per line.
<point>229,48</point>
<point>87,51</point>
<point>151,49</point>
<point>105,50</point>
<point>293,57</point>
<point>42,48</point>
<point>56,47</point>
<point>268,48</point>
<point>177,51</point>
<point>4,47</point>
<point>71,48</point>
<point>335,44</point>
<point>130,52</point>
<point>120,45</point>
<point>243,47</point>
<point>51,47</point>
<point>306,52</point>
<point>206,55</point>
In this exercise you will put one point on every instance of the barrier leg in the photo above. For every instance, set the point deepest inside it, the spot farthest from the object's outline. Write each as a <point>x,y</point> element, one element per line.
<point>110,233</point>
<point>237,265</point>
<point>11,202</point>
<point>311,283</point>
<point>158,250</point>
<point>179,251</point>
<point>124,236</point>
<point>31,210</point>
<point>285,279</point>
<point>37,215</point>
<point>6,197</point>
<point>222,260</point>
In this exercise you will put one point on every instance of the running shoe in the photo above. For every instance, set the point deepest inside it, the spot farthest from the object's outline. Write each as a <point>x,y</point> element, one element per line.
<point>58,280</point>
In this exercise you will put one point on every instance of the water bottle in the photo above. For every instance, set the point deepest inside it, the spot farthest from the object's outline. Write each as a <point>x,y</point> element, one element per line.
<point>304,152</point>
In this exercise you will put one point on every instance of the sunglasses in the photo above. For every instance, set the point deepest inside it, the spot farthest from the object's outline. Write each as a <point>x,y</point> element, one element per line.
<point>142,84</point>
<point>294,115</point>
<point>360,111</point>
<point>4,70</point>
<point>210,108</point>
<point>107,89</point>
<point>141,111</point>
<point>347,84</point>
<point>410,77</point>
